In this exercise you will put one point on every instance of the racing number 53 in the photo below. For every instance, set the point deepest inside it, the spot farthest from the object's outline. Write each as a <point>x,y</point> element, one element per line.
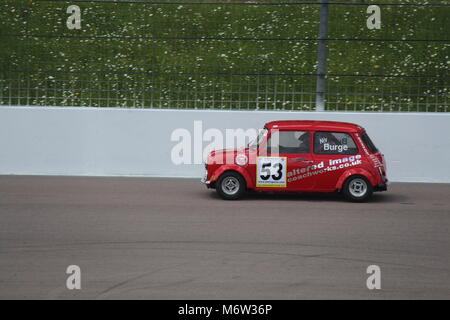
<point>265,168</point>
<point>271,172</point>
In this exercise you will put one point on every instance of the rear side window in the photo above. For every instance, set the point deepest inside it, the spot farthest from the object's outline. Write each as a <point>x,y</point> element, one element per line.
<point>368,142</point>
<point>334,143</point>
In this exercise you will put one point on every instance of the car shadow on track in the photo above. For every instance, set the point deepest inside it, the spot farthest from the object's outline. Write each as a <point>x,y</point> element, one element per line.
<point>313,197</point>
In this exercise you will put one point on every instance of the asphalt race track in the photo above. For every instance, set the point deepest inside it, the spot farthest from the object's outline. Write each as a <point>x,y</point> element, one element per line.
<point>150,238</point>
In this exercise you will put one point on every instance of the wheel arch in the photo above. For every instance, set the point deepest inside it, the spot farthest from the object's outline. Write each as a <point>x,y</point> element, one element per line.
<point>234,168</point>
<point>355,172</point>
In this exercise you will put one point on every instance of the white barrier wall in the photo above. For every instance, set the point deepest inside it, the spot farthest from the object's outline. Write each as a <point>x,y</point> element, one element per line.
<point>136,142</point>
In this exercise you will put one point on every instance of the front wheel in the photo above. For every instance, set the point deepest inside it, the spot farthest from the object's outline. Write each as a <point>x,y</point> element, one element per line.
<point>230,186</point>
<point>357,189</point>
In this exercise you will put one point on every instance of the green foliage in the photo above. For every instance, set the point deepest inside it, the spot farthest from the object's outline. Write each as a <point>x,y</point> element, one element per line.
<point>132,54</point>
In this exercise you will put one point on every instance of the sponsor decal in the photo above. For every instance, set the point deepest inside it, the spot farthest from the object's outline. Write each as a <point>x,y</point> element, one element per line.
<point>376,162</point>
<point>323,167</point>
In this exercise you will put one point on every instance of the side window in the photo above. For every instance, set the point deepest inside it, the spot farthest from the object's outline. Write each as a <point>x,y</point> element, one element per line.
<point>288,142</point>
<point>334,143</point>
<point>369,142</point>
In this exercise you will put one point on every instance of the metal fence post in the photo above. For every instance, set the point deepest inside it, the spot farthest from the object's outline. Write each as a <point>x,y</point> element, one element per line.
<point>322,57</point>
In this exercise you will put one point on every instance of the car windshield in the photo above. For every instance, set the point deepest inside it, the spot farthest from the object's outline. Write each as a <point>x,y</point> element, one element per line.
<point>256,142</point>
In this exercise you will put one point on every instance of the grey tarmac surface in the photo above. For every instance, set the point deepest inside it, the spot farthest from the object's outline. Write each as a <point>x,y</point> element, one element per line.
<point>152,238</point>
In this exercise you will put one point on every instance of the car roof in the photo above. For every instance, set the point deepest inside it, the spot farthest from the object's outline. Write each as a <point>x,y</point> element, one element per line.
<point>314,125</point>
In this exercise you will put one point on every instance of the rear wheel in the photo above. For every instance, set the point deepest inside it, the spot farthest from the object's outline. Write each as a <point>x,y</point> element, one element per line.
<point>231,186</point>
<point>357,189</point>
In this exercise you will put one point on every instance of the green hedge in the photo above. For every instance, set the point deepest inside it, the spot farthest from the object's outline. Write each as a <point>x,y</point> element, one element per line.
<point>130,55</point>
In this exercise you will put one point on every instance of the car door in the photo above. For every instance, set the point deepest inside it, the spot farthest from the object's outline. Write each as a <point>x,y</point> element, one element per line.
<point>338,153</point>
<point>286,163</point>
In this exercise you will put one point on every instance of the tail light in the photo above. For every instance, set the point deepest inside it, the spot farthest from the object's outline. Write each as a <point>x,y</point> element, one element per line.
<point>382,171</point>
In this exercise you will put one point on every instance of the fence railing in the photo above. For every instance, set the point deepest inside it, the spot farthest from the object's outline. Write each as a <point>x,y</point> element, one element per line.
<point>260,55</point>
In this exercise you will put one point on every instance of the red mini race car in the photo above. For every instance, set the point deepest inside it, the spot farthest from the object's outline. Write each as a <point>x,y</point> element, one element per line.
<point>303,156</point>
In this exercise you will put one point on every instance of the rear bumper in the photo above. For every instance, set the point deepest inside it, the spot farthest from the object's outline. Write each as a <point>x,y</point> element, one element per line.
<point>204,181</point>
<point>381,187</point>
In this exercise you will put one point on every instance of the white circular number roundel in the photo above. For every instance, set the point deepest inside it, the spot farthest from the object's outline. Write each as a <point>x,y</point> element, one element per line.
<point>241,159</point>
<point>271,172</point>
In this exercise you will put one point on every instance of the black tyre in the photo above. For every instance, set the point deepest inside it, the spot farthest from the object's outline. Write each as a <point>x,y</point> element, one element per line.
<point>231,186</point>
<point>357,189</point>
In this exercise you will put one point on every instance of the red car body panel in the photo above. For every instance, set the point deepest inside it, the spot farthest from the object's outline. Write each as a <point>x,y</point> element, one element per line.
<point>306,171</point>
<point>233,167</point>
